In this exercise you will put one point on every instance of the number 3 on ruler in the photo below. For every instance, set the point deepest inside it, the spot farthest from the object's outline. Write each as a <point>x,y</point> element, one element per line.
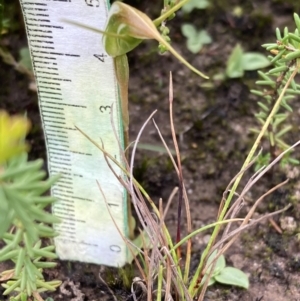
<point>94,3</point>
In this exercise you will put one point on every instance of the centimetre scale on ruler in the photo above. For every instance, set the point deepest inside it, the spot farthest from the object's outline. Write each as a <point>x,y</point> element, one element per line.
<point>76,88</point>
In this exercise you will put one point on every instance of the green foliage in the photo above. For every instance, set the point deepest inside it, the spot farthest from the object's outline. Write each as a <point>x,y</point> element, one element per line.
<point>1,16</point>
<point>285,58</point>
<point>25,59</point>
<point>23,65</point>
<point>225,275</point>
<point>164,30</point>
<point>240,61</point>
<point>192,4</point>
<point>8,22</point>
<point>12,130</point>
<point>23,218</point>
<point>195,39</point>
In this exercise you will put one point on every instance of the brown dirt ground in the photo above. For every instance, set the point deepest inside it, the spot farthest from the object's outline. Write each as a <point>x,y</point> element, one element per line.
<point>212,125</point>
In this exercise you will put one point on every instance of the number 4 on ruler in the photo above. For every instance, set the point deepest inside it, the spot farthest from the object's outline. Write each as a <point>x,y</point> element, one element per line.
<point>100,57</point>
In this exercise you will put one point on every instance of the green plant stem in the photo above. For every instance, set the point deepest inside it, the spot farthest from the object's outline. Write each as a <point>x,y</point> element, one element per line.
<point>167,14</point>
<point>192,288</point>
<point>204,228</point>
<point>160,281</point>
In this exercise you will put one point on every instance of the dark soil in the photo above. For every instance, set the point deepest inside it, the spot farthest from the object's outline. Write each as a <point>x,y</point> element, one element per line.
<point>213,121</point>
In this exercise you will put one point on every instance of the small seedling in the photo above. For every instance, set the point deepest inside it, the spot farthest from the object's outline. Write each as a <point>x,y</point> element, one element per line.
<point>225,275</point>
<point>195,39</point>
<point>195,4</point>
<point>240,61</point>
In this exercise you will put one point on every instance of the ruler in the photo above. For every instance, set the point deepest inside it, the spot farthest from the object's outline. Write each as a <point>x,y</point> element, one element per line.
<point>77,88</point>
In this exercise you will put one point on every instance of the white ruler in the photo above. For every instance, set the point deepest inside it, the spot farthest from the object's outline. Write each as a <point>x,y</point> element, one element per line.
<point>77,87</point>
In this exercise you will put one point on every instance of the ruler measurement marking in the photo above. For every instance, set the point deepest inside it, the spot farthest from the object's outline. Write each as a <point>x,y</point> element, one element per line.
<point>54,116</point>
<point>64,240</point>
<point>86,154</point>
<point>54,84</point>
<point>64,186</point>
<point>75,197</point>
<point>66,182</point>
<point>66,226</point>
<point>55,78</point>
<point>61,206</point>
<point>51,147</point>
<point>65,174</point>
<point>66,154</point>
<point>45,57</point>
<point>56,140</point>
<point>66,104</point>
<point>72,233</point>
<point>35,63</point>
<point>54,112</point>
<point>47,97</point>
<point>48,52</point>
<point>60,159</point>
<point>57,86</point>
<point>56,166</point>
<point>53,121</point>
<point>44,72</point>
<point>67,201</point>
<point>38,20</point>
<point>34,3</point>
<point>40,30</point>
<point>58,162</point>
<point>61,190</point>
<point>50,143</point>
<point>45,25</point>
<point>41,36</point>
<point>51,88</point>
<point>67,229</point>
<point>58,169</point>
<point>67,204</point>
<point>57,109</point>
<point>56,131</point>
<point>64,212</point>
<point>55,134</point>
<point>59,112</point>
<point>42,15</point>
<point>65,177</point>
<point>48,92</point>
<point>39,41</point>
<point>43,47</point>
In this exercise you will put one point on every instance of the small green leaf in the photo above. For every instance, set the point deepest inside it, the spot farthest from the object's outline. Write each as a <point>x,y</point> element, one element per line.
<point>192,4</point>
<point>233,276</point>
<point>195,39</point>
<point>210,282</point>
<point>25,58</point>
<point>141,241</point>
<point>293,161</point>
<point>234,67</point>
<point>254,61</point>
<point>188,30</point>
<point>220,264</point>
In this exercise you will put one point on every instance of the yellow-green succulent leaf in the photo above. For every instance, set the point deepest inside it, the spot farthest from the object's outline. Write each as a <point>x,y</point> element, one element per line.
<point>13,129</point>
